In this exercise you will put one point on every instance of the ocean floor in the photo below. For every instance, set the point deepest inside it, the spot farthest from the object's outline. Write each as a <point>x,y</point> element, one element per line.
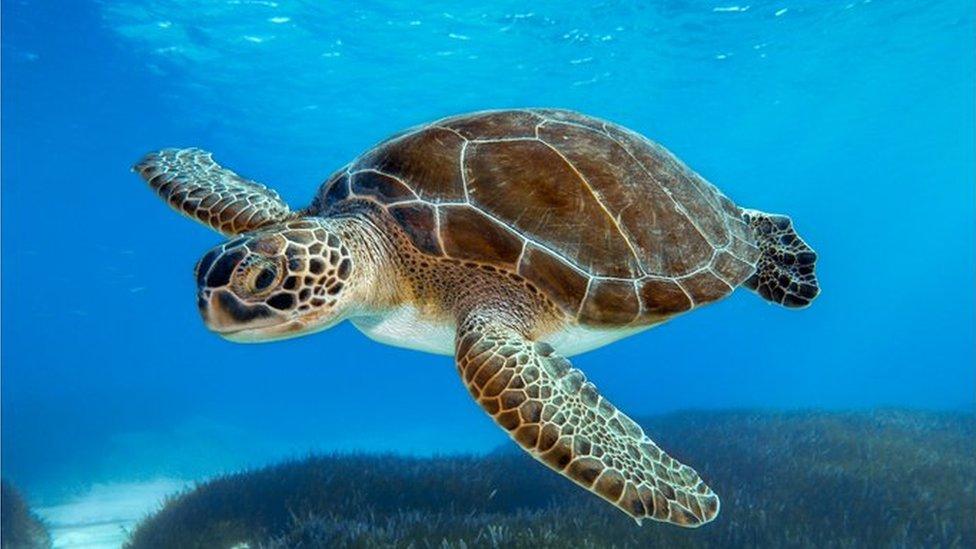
<point>823,479</point>
<point>104,515</point>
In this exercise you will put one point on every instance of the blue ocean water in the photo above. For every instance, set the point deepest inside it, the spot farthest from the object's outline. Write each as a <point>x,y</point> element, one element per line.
<point>855,117</point>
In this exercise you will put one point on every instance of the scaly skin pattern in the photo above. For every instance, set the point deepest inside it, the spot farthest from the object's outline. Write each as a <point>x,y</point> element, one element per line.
<point>194,185</point>
<point>286,277</point>
<point>785,272</point>
<point>560,419</point>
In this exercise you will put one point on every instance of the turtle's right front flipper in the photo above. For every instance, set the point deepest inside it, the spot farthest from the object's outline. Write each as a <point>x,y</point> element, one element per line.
<point>560,419</point>
<point>193,184</point>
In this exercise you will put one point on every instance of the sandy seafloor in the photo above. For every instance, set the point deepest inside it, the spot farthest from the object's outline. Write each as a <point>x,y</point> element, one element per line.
<point>102,516</point>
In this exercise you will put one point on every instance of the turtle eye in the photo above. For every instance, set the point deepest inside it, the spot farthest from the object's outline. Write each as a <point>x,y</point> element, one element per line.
<point>259,277</point>
<point>265,277</point>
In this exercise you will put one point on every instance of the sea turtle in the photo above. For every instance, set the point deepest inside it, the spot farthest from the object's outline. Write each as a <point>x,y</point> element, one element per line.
<point>510,239</point>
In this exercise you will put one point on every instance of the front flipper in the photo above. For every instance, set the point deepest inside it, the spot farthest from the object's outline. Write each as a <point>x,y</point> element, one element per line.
<point>193,184</point>
<point>558,417</point>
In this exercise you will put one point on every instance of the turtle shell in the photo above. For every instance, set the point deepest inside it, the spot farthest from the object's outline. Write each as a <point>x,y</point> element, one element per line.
<point>611,226</point>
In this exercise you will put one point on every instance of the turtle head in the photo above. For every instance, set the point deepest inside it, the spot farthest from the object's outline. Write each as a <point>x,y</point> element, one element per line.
<point>278,282</point>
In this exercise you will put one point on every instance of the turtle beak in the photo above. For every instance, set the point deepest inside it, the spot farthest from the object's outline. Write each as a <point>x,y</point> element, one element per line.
<point>226,315</point>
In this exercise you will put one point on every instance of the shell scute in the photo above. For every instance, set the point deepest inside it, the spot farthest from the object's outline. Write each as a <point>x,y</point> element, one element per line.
<point>663,296</point>
<point>333,191</point>
<point>382,187</point>
<point>419,221</point>
<point>494,125</point>
<point>695,204</point>
<point>610,302</point>
<point>705,287</point>
<point>725,263</point>
<point>744,250</point>
<point>528,184</point>
<point>637,203</point>
<point>468,234</point>
<point>428,160</point>
<point>564,285</point>
<point>571,117</point>
<point>672,235</point>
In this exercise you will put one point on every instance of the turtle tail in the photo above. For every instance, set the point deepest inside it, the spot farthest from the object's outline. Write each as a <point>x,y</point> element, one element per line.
<point>785,270</point>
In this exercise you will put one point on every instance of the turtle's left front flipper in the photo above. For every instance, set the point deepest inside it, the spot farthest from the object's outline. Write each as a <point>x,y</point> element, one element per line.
<point>558,417</point>
<point>193,184</point>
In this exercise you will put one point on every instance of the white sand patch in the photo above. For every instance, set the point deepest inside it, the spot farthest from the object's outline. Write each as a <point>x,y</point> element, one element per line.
<point>103,516</point>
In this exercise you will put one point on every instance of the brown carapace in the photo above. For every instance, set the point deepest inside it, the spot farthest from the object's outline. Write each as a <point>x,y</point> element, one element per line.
<point>505,237</point>
<point>613,228</point>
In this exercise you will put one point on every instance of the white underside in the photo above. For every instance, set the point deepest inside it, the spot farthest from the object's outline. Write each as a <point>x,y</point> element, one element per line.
<point>574,340</point>
<point>405,327</point>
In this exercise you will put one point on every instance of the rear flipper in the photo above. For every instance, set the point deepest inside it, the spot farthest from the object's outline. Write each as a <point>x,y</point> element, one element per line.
<point>785,270</point>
